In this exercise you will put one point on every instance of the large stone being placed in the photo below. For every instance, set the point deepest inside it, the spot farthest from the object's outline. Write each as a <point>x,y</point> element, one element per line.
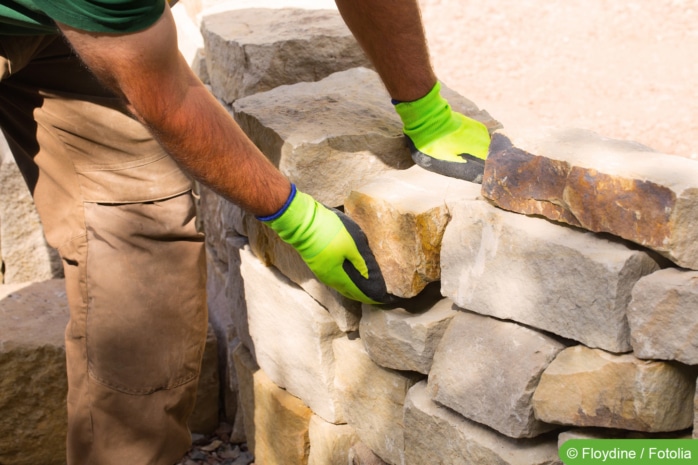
<point>435,434</point>
<point>404,216</point>
<point>663,316</point>
<point>487,370</point>
<point>590,387</point>
<point>600,184</point>
<point>292,336</point>
<point>372,399</point>
<point>257,49</point>
<point>33,385</point>
<point>403,340</point>
<point>552,277</point>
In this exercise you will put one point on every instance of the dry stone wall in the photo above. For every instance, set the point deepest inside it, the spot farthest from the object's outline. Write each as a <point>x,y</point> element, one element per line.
<point>554,301</point>
<point>558,300</point>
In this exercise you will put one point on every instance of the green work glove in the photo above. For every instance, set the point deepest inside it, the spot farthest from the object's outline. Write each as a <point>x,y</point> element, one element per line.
<point>333,246</point>
<point>442,140</point>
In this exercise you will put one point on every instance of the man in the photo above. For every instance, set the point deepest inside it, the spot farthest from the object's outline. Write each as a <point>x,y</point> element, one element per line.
<point>108,125</point>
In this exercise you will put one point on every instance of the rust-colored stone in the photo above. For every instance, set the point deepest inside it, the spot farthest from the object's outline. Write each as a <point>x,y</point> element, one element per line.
<point>599,184</point>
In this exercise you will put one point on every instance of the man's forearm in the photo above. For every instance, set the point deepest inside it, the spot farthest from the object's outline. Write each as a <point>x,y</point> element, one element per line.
<point>147,70</point>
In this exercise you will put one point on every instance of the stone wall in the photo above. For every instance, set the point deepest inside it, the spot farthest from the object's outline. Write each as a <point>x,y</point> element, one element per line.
<point>554,301</point>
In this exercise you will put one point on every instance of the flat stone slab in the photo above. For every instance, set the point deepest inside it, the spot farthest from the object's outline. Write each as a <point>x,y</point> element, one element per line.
<point>600,184</point>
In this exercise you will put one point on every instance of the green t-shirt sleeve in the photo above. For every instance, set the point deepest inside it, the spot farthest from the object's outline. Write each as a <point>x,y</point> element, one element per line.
<point>111,16</point>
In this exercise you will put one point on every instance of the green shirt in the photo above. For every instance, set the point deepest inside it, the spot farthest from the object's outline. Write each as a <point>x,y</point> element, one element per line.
<point>111,16</point>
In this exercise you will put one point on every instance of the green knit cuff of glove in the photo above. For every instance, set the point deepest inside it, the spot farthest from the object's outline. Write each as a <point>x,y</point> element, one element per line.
<point>439,132</point>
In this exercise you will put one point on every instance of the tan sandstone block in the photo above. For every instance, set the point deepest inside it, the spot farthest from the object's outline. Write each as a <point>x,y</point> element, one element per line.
<point>330,444</point>
<point>600,184</point>
<point>404,216</point>
<point>590,387</point>
<point>33,384</point>
<point>276,422</point>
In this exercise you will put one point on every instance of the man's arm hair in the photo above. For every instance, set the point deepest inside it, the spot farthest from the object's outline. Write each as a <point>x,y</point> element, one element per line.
<point>146,69</point>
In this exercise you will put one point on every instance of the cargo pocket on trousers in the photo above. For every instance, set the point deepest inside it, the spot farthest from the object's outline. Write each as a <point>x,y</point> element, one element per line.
<point>146,318</point>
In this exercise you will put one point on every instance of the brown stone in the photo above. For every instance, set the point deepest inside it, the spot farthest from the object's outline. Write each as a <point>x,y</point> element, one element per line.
<point>603,185</point>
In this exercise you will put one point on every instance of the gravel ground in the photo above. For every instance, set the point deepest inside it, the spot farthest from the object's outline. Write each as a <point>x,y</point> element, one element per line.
<point>626,70</point>
<point>216,449</point>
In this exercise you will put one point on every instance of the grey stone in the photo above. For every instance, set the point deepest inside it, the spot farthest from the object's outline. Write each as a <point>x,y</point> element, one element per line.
<point>402,340</point>
<point>255,50</point>
<point>552,277</point>
<point>487,370</point>
<point>433,431</point>
<point>663,316</point>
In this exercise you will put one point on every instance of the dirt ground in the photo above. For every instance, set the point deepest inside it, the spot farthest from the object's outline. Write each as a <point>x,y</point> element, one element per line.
<point>624,69</point>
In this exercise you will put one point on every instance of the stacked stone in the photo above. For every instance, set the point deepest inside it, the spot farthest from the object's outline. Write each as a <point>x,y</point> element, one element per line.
<point>551,302</point>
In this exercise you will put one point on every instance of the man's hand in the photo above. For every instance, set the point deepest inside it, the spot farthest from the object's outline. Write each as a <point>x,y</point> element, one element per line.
<point>444,141</point>
<point>332,245</point>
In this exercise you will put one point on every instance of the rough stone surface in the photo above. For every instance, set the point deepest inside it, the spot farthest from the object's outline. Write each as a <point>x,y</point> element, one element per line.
<point>552,277</point>
<point>33,385</point>
<point>327,136</point>
<point>271,250</point>
<point>600,184</point>
<point>23,249</point>
<point>254,50</point>
<point>372,399</point>
<point>404,216</point>
<point>402,339</point>
<point>220,218</point>
<point>277,423</point>
<point>432,429</point>
<point>590,387</point>
<point>292,336</point>
<point>360,454</point>
<point>487,370</point>
<point>663,316</point>
<point>330,443</point>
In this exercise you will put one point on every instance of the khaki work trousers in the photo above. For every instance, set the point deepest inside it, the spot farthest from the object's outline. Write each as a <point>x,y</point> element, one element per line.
<point>121,214</point>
